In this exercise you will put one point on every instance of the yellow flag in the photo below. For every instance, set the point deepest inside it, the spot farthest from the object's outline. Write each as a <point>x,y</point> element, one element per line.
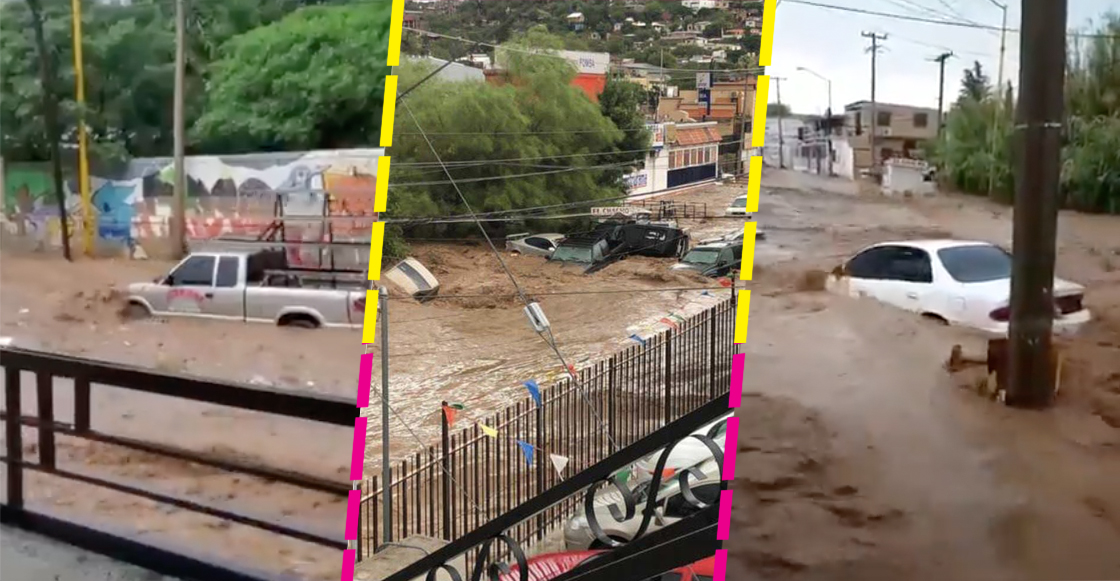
<point>491,432</point>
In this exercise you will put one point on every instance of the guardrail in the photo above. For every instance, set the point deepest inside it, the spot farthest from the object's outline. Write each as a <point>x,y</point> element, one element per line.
<point>90,376</point>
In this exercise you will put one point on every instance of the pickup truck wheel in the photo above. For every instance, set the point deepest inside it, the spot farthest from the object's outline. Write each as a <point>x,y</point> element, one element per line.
<point>135,312</point>
<point>299,324</point>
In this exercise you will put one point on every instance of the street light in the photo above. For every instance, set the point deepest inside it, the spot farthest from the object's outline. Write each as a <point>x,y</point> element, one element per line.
<point>829,124</point>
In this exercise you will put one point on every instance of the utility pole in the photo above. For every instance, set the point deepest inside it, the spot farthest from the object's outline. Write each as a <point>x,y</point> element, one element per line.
<point>50,118</point>
<point>998,95</point>
<point>781,134</point>
<point>386,465</point>
<point>88,222</point>
<point>874,50</point>
<point>179,207</point>
<point>1040,119</point>
<point>940,59</point>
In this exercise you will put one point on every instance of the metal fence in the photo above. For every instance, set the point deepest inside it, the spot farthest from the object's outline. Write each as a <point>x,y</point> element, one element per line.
<point>671,209</point>
<point>22,507</point>
<point>449,490</point>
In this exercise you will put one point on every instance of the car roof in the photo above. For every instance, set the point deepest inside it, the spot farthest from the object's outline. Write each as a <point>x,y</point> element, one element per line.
<point>933,244</point>
<point>716,245</point>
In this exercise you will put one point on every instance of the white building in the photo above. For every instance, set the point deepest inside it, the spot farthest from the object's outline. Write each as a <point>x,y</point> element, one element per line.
<point>697,5</point>
<point>781,149</point>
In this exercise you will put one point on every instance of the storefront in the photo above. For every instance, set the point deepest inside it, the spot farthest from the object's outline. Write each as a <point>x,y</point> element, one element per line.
<point>693,152</point>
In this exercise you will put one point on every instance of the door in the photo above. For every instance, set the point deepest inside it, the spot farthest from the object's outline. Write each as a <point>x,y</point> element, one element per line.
<point>228,294</point>
<point>192,285</point>
<point>900,276</point>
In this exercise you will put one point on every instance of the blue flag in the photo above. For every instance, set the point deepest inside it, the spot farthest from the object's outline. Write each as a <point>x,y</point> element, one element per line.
<point>526,449</point>
<point>638,339</point>
<point>534,390</point>
<point>705,294</point>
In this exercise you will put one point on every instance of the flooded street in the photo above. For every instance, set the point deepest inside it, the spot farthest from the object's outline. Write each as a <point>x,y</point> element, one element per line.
<point>860,456</point>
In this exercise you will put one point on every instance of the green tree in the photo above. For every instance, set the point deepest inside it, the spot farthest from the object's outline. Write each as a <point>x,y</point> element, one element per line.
<point>777,109</point>
<point>305,82</point>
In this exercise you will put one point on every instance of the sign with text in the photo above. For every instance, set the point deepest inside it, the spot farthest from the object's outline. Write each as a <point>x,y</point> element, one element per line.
<point>592,63</point>
<point>704,80</point>
<point>657,134</point>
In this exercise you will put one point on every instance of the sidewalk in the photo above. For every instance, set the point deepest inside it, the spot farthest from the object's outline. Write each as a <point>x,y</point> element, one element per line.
<point>24,556</point>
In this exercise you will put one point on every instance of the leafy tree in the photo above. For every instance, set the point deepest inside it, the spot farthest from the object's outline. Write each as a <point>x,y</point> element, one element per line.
<point>777,109</point>
<point>305,82</point>
<point>977,143</point>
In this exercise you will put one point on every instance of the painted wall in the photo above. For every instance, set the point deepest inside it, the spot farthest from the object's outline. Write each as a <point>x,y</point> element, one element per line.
<point>226,195</point>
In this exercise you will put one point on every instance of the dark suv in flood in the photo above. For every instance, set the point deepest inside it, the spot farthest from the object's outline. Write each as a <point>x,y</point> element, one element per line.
<point>713,260</point>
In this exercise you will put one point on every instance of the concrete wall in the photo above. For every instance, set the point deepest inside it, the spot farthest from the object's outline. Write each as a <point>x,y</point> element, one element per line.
<point>905,177</point>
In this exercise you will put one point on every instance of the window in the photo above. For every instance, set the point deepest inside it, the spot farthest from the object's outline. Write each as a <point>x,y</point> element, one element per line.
<point>900,263</point>
<point>883,118</point>
<point>196,271</point>
<point>859,123</point>
<point>976,263</point>
<point>541,243</point>
<point>228,268</point>
<point>414,276</point>
<point>677,507</point>
<point>726,256</point>
<point>921,120</point>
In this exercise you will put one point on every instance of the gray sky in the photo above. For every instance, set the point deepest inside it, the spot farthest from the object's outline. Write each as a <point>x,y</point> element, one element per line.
<point>829,43</point>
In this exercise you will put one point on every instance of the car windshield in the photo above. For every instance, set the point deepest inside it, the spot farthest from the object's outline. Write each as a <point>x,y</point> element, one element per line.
<point>572,254</point>
<point>976,263</point>
<point>739,203</point>
<point>702,256</point>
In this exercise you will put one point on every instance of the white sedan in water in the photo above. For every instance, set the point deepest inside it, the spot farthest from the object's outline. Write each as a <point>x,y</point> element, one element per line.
<point>957,282</point>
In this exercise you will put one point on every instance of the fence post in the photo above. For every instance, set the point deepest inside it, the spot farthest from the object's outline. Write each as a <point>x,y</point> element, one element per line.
<point>44,388</point>
<point>541,463</point>
<point>445,463</point>
<point>611,406</point>
<point>713,380</point>
<point>373,498</point>
<point>668,376</point>
<point>81,405</point>
<point>14,436</point>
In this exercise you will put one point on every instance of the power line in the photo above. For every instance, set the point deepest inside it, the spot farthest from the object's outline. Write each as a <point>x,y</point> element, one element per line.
<point>972,25</point>
<point>574,293</point>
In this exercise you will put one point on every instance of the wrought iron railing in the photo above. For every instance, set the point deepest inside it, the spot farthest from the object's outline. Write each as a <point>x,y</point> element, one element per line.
<point>23,508</point>
<point>491,552</point>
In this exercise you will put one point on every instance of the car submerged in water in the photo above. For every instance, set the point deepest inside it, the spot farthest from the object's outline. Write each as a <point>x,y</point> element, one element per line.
<point>713,260</point>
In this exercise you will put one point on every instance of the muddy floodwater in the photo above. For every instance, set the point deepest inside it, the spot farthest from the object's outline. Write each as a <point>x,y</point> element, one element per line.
<point>860,455</point>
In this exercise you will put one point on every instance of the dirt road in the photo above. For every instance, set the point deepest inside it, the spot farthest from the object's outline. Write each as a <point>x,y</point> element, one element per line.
<point>862,458</point>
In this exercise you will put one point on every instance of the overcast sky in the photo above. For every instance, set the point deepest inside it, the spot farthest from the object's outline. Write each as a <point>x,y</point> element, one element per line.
<point>829,43</point>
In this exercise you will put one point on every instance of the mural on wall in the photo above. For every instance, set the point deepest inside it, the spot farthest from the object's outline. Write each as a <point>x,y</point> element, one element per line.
<point>226,195</point>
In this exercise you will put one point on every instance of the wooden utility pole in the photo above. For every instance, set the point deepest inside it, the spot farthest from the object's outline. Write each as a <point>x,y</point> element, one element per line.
<point>1040,120</point>
<point>179,206</point>
<point>50,118</point>
<point>874,50</point>
<point>781,134</point>
<point>940,60</point>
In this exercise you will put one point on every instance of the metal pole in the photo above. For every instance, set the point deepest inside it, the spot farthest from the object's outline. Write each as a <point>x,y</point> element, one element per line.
<point>1040,117</point>
<point>179,207</point>
<point>386,466</point>
<point>83,139</point>
<point>829,126</point>
<point>781,134</point>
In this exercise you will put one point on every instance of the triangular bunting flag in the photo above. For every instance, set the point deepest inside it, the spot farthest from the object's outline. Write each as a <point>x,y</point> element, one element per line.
<point>449,414</point>
<point>527,450</point>
<point>705,294</point>
<point>622,475</point>
<point>558,462</point>
<point>534,390</point>
<point>488,431</point>
<point>638,339</point>
<point>572,369</point>
<point>457,406</point>
<point>670,323</point>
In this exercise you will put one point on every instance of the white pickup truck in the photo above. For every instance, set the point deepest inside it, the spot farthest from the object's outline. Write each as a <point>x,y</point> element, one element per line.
<point>255,287</point>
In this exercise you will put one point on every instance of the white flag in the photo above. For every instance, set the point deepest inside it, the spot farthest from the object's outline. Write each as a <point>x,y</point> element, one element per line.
<point>559,462</point>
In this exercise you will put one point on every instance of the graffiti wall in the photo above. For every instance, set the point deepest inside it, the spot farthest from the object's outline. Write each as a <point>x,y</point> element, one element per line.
<point>238,195</point>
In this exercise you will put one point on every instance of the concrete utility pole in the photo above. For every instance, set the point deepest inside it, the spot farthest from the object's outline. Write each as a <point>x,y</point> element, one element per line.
<point>874,50</point>
<point>940,59</point>
<point>1040,120</point>
<point>781,134</point>
<point>179,205</point>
